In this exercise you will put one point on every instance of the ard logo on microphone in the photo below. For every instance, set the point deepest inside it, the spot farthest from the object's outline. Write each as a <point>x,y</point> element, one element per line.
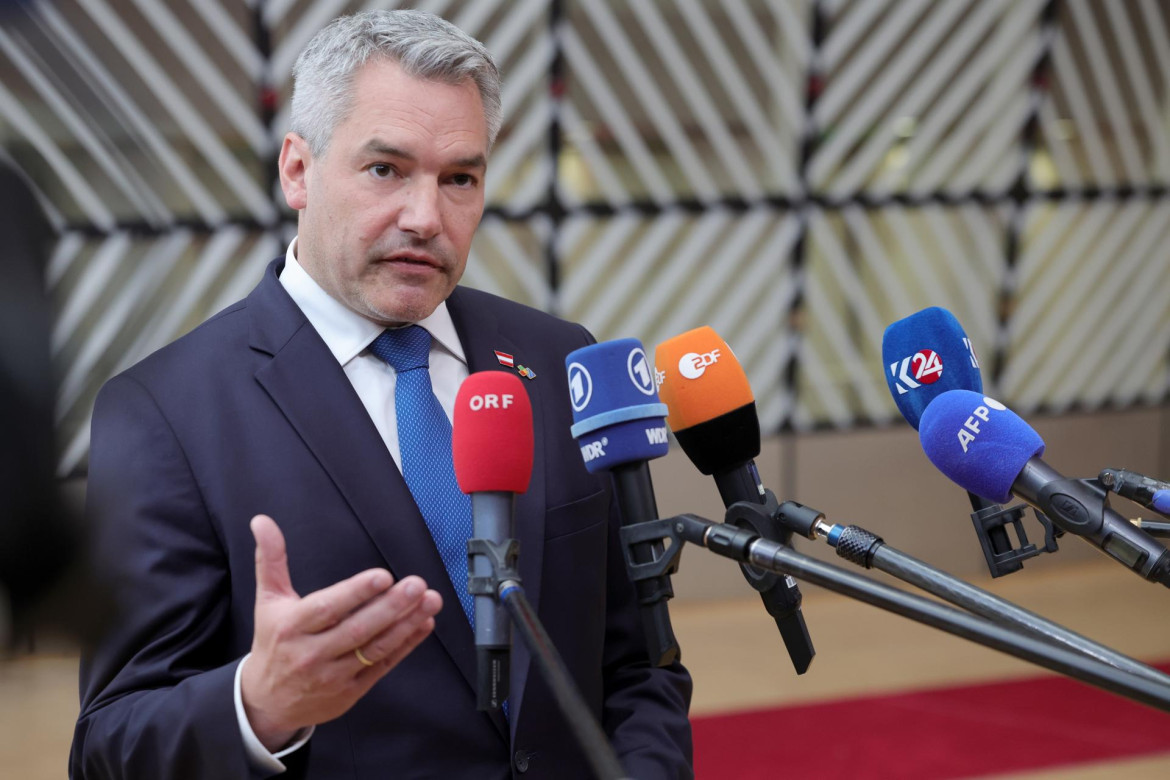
<point>693,365</point>
<point>927,369</point>
<point>639,370</point>
<point>970,428</point>
<point>580,386</point>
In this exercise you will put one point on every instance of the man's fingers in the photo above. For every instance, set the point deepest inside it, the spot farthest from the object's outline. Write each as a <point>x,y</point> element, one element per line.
<point>380,615</point>
<point>325,608</point>
<point>401,650</point>
<point>388,625</point>
<point>272,577</point>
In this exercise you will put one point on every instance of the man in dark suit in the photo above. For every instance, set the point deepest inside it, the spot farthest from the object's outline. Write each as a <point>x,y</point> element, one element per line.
<point>293,403</point>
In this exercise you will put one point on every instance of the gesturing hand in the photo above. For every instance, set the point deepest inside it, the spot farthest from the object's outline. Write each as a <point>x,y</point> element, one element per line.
<point>303,669</point>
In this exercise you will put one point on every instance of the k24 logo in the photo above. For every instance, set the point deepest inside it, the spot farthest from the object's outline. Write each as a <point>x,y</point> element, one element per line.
<point>922,368</point>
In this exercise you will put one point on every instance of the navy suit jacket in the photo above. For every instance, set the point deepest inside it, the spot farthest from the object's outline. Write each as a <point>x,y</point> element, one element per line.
<point>250,413</point>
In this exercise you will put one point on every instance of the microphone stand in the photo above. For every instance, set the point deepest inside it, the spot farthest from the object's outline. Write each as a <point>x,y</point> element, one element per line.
<point>780,593</point>
<point>503,584</point>
<point>730,541</point>
<point>636,500</point>
<point>868,550</point>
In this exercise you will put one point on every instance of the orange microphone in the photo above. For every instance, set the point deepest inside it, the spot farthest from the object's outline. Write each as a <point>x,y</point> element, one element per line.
<point>711,408</point>
<point>712,412</point>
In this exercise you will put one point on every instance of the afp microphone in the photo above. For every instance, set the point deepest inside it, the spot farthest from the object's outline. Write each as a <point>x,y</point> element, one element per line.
<point>986,448</point>
<point>925,355</point>
<point>491,443</point>
<point>713,416</point>
<point>618,423</point>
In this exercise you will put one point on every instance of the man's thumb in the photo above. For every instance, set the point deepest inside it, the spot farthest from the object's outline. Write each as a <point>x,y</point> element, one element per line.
<point>271,559</point>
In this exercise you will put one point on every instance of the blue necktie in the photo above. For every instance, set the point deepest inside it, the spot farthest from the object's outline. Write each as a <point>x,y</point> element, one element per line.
<point>424,441</point>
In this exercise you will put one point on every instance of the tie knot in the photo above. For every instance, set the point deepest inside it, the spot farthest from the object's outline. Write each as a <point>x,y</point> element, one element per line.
<point>403,348</point>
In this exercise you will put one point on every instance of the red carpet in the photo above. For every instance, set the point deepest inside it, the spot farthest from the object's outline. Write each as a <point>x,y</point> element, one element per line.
<point>939,733</point>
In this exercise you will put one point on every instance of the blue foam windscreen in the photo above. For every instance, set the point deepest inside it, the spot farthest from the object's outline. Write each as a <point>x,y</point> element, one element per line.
<point>979,443</point>
<point>1161,501</point>
<point>925,355</point>
<point>617,417</point>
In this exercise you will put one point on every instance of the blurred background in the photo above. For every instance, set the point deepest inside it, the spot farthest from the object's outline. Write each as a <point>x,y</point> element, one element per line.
<point>797,174</point>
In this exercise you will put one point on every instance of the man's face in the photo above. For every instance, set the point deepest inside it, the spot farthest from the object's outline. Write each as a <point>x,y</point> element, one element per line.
<point>388,212</point>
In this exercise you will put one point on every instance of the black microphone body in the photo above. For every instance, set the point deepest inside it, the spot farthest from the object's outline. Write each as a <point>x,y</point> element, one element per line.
<point>734,437</point>
<point>1081,507</point>
<point>635,497</point>
<point>491,520</point>
<point>780,593</point>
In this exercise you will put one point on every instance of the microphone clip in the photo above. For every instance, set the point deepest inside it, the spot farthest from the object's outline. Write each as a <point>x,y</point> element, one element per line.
<point>661,530</point>
<point>1146,491</point>
<point>760,519</point>
<point>503,556</point>
<point>779,592</point>
<point>991,525</point>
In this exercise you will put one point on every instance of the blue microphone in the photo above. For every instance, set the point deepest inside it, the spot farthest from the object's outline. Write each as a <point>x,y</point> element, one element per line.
<point>978,443</point>
<point>617,417</point>
<point>925,355</point>
<point>620,424</point>
<point>989,450</point>
<point>1161,502</point>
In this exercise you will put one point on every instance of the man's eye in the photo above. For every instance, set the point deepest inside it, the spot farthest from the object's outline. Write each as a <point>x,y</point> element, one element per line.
<point>381,171</point>
<point>463,180</point>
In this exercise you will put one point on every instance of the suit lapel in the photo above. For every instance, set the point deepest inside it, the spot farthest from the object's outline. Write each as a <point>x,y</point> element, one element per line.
<point>305,381</point>
<point>482,334</point>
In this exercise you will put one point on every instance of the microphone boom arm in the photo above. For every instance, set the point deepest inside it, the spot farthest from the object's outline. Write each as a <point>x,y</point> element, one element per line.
<point>502,583</point>
<point>866,549</point>
<point>744,546</point>
<point>1081,507</point>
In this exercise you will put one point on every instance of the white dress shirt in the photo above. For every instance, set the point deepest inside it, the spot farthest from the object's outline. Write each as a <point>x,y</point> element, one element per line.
<point>348,336</point>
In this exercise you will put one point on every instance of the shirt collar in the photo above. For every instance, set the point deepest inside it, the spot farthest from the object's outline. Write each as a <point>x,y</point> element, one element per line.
<point>345,332</point>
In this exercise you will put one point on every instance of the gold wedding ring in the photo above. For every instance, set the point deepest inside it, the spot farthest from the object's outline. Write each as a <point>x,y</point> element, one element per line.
<point>365,661</point>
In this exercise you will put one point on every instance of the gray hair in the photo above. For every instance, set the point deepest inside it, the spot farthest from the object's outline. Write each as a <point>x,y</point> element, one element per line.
<point>422,44</point>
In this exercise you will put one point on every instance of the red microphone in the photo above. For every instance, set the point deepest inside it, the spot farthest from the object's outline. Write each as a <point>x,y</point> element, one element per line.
<point>491,443</point>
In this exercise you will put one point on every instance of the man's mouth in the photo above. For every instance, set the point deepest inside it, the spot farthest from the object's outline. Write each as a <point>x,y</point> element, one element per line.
<point>417,260</point>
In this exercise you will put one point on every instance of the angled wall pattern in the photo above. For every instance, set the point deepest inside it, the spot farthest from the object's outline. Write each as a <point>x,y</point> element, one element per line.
<point>796,173</point>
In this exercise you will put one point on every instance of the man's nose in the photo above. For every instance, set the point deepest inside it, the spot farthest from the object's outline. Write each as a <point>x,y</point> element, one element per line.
<point>420,213</point>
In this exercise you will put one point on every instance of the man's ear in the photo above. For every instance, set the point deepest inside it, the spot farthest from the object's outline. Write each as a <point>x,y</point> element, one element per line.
<point>295,159</point>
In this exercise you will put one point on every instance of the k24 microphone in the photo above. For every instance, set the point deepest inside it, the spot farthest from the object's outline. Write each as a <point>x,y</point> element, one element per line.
<point>491,443</point>
<point>618,423</point>
<point>925,355</point>
<point>986,448</point>
<point>713,416</point>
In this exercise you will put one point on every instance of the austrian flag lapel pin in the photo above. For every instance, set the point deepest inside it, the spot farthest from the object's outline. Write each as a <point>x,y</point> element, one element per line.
<point>507,360</point>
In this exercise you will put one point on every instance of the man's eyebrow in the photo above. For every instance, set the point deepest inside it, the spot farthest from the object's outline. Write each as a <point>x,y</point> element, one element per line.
<point>378,147</point>
<point>475,161</point>
<point>386,150</point>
